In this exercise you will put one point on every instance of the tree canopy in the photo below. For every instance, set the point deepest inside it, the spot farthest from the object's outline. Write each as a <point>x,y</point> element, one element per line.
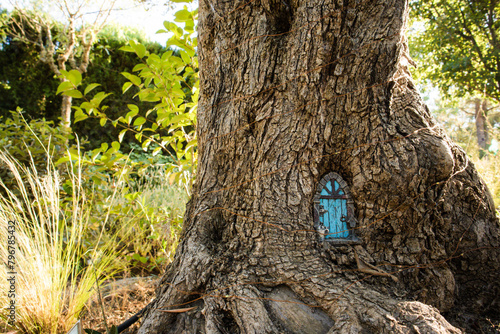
<point>460,46</point>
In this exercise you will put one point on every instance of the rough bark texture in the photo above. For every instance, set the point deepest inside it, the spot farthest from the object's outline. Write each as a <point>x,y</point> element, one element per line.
<point>66,111</point>
<point>480,107</point>
<point>327,91</point>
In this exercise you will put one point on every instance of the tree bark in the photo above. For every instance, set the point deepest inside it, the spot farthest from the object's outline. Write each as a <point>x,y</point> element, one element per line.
<point>480,106</point>
<point>291,91</point>
<point>66,111</point>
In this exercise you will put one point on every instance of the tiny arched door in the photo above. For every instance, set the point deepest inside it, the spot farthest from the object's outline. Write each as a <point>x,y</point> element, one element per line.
<point>333,210</point>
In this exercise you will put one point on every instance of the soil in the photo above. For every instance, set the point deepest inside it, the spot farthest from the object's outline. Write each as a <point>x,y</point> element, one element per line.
<point>122,299</point>
<point>125,297</point>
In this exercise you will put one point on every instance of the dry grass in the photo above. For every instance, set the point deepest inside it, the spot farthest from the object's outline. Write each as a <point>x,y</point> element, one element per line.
<point>52,284</point>
<point>122,299</point>
<point>489,169</point>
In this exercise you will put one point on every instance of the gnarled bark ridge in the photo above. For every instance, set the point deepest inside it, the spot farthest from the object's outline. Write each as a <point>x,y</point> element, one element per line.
<point>292,90</point>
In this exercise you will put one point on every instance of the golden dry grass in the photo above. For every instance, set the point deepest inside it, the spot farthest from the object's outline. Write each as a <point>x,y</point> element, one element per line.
<point>52,285</point>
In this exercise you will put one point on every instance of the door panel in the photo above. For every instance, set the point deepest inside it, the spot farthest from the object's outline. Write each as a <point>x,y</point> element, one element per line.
<point>336,209</point>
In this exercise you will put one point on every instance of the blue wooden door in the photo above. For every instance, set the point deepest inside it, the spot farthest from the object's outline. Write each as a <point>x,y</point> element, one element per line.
<point>333,202</point>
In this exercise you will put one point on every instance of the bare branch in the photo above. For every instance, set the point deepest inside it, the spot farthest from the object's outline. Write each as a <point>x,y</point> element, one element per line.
<point>31,27</point>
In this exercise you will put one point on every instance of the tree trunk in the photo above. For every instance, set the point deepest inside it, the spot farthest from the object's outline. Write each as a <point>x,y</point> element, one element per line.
<point>66,111</point>
<point>480,106</point>
<point>291,91</point>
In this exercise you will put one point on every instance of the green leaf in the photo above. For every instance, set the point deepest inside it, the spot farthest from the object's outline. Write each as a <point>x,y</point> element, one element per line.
<point>65,86</point>
<point>122,133</point>
<point>73,93</point>
<point>87,106</point>
<point>139,67</point>
<point>90,88</point>
<point>139,49</point>
<point>150,98</point>
<point>62,160</point>
<point>126,86</point>
<point>185,57</point>
<point>75,77</point>
<point>131,114</point>
<point>99,97</point>
<point>103,121</point>
<point>172,27</point>
<point>156,151</point>
<point>183,16</point>
<point>142,259</point>
<point>80,115</point>
<point>179,118</point>
<point>115,145</point>
<point>139,121</point>
<point>127,48</point>
<point>145,144</point>
<point>133,78</point>
<point>133,107</point>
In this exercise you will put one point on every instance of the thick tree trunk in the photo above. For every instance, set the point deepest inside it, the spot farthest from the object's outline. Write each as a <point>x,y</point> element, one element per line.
<point>292,90</point>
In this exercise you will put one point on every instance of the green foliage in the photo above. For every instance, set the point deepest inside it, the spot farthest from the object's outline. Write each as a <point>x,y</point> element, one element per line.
<point>128,194</point>
<point>18,136</point>
<point>27,142</point>
<point>25,82</point>
<point>125,199</point>
<point>155,214</point>
<point>170,82</point>
<point>457,44</point>
<point>107,64</point>
<point>28,83</point>
<point>167,147</point>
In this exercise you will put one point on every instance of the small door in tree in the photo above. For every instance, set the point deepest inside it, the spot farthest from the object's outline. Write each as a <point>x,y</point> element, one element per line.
<point>333,214</point>
<point>334,210</point>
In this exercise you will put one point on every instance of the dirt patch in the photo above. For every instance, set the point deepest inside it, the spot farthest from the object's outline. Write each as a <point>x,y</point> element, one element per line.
<point>122,299</point>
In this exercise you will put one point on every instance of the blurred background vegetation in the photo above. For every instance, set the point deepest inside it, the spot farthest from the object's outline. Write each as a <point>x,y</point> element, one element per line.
<point>121,173</point>
<point>456,48</point>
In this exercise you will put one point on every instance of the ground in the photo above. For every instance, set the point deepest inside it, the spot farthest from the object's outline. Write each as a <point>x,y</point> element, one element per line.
<point>125,297</point>
<point>122,299</point>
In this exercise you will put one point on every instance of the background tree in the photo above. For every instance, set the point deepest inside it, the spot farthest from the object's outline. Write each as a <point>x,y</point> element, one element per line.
<point>458,50</point>
<point>291,91</point>
<point>71,45</point>
<point>28,83</point>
